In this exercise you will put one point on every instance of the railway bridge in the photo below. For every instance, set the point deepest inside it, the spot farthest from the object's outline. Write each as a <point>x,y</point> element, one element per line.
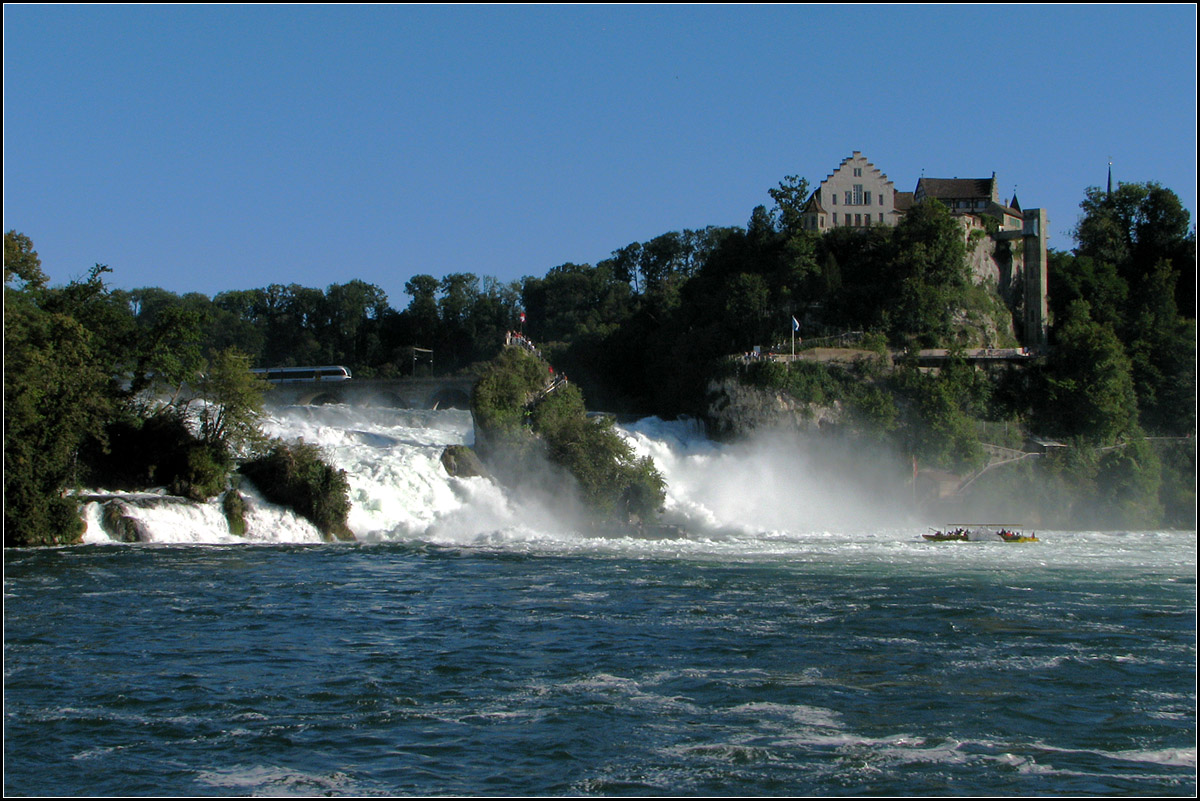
<point>449,392</point>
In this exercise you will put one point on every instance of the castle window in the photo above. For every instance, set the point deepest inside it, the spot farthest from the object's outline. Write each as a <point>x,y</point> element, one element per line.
<point>835,218</point>
<point>858,219</point>
<point>866,198</point>
<point>849,198</point>
<point>881,216</point>
<point>833,196</point>
<point>858,194</point>
<point>858,172</point>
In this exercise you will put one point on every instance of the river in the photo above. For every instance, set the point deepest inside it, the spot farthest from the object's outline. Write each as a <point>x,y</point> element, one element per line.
<point>794,635</point>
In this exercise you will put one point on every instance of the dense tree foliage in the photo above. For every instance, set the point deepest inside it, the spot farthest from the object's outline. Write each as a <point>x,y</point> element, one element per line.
<point>93,382</point>
<point>526,419</point>
<point>1135,266</point>
<point>298,476</point>
<point>644,331</point>
<point>1134,228</point>
<point>1088,382</point>
<point>57,393</point>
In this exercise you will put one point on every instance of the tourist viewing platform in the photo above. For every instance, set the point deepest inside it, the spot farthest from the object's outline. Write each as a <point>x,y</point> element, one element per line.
<point>926,357</point>
<point>938,355</point>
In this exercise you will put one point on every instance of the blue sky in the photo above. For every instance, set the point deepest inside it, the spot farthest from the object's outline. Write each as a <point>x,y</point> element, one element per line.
<point>207,148</point>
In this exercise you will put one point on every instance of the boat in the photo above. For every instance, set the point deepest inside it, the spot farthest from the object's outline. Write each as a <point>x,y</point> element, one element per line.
<point>957,535</point>
<point>975,532</point>
<point>1010,535</point>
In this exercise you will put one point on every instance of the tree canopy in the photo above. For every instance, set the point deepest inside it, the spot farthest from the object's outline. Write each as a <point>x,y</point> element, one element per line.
<point>643,330</point>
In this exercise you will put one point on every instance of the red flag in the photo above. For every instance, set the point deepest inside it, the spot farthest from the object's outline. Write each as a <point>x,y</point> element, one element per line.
<point>522,316</point>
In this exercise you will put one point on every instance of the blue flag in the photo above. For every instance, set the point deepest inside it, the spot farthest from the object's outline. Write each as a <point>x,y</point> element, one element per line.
<point>795,325</point>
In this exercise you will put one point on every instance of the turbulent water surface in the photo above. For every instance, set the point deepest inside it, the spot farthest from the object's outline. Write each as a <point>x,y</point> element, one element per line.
<point>791,637</point>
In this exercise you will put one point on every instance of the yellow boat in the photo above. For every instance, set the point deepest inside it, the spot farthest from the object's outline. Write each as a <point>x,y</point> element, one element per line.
<point>1016,536</point>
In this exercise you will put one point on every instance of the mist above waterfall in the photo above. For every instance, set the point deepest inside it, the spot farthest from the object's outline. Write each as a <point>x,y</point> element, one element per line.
<point>774,481</point>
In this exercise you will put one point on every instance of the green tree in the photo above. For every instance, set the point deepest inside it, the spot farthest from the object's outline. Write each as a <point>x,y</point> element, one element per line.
<point>574,300</point>
<point>857,268</point>
<point>1105,232</point>
<point>1088,382</point>
<point>351,316</point>
<point>790,197</point>
<point>1071,278</point>
<point>1162,349</point>
<point>663,264</point>
<point>494,313</point>
<point>166,353</point>
<point>930,258</point>
<point>1134,228</point>
<point>940,428</point>
<point>233,403</point>
<point>625,265</point>
<point>423,308</point>
<point>21,262</point>
<point>57,394</point>
<point>747,308</point>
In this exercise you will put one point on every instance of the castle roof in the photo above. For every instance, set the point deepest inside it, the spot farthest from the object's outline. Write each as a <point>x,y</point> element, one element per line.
<point>814,203</point>
<point>957,187</point>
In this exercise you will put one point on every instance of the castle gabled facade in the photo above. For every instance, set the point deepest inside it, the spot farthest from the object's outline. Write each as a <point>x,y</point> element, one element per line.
<point>857,194</point>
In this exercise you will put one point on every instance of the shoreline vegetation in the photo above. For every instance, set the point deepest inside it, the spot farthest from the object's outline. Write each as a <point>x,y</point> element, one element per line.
<point>533,432</point>
<point>132,389</point>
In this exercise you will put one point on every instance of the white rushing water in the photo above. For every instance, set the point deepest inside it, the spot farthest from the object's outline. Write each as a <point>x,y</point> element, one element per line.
<point>400,490</point>
<point>774,496</point>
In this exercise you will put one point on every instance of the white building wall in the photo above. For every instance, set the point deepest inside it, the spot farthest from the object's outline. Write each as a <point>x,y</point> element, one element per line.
<point>858,194</point>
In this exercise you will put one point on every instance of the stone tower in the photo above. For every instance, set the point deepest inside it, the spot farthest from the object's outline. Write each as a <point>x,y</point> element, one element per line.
<point>1037,310</point>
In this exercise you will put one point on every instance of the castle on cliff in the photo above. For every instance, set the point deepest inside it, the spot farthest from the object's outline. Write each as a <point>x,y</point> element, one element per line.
<point>1010,249</point>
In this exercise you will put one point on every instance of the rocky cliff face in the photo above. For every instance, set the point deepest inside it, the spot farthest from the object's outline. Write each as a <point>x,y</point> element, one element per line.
<point>735,410</point>
<point>461,462</point>
<point>995,265</point>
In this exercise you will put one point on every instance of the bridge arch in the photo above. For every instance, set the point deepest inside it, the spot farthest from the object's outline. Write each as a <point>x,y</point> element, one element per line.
<point>324,399</point>
<point>450,398</point>
<point>453,392</point>
<point>391,400</point>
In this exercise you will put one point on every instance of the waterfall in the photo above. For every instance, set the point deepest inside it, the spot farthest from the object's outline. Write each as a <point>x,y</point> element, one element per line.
<point>399,490</point>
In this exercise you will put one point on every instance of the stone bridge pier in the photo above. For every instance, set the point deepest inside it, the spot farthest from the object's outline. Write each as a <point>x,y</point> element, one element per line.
<point>451,392</point>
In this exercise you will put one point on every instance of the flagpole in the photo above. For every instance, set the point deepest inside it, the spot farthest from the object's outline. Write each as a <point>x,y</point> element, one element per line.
<point>795,328</point>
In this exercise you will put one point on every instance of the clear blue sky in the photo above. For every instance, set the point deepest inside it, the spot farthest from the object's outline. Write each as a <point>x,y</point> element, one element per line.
<point>206,148</point>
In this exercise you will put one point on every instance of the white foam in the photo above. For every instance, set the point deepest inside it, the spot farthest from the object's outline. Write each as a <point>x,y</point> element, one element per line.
<point>776,497</point>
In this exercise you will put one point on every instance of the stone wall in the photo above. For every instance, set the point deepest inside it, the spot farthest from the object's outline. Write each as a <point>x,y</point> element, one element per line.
<point>736,410</point>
